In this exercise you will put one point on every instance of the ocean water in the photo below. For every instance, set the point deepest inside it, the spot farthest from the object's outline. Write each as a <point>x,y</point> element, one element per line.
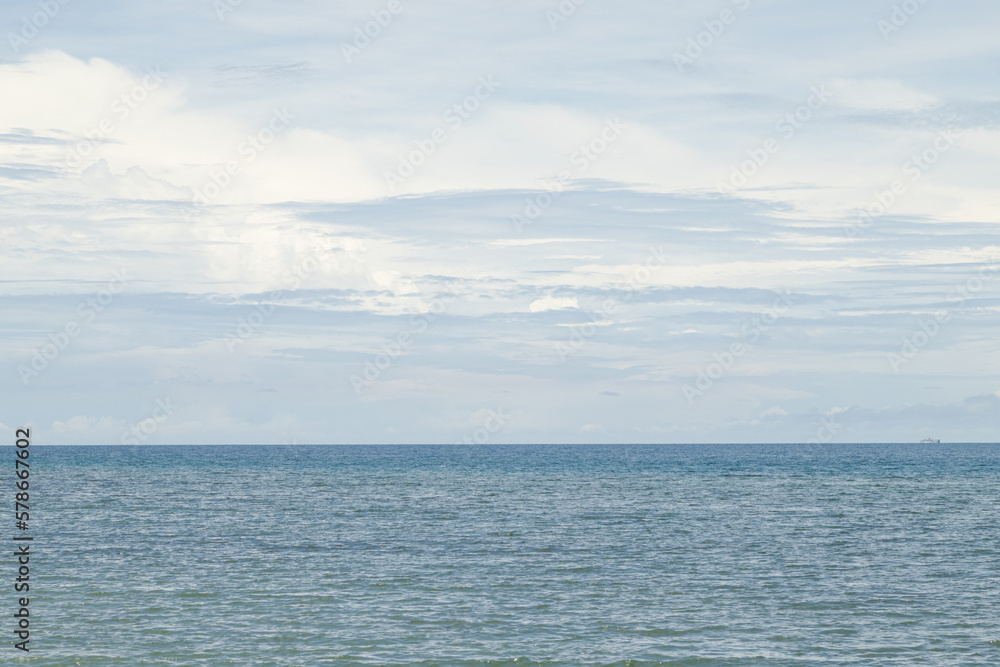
<point>513,555</point>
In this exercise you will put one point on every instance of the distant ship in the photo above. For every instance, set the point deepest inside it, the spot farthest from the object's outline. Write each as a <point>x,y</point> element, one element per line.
<point>931,441</point>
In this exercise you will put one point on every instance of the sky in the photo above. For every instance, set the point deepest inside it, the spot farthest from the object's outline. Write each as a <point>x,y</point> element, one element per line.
<point>251,221</point>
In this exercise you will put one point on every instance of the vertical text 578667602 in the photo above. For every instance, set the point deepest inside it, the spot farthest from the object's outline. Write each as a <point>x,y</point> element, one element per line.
<point>22,541</point>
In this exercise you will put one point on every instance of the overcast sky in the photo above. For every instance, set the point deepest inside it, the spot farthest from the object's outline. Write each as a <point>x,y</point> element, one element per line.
<point>516,222</point>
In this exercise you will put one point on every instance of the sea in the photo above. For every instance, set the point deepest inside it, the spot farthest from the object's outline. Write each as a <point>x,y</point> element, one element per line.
<point>631,556</point>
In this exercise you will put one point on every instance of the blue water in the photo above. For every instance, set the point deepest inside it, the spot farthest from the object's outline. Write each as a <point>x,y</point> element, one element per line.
<point>514,555</point>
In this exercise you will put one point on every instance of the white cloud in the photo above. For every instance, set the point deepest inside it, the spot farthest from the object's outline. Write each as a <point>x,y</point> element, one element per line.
<point>879,95</point>
<point>97,180</point>
<point>83,423</point>
<point>320,185</point>
<point>552,303</point>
